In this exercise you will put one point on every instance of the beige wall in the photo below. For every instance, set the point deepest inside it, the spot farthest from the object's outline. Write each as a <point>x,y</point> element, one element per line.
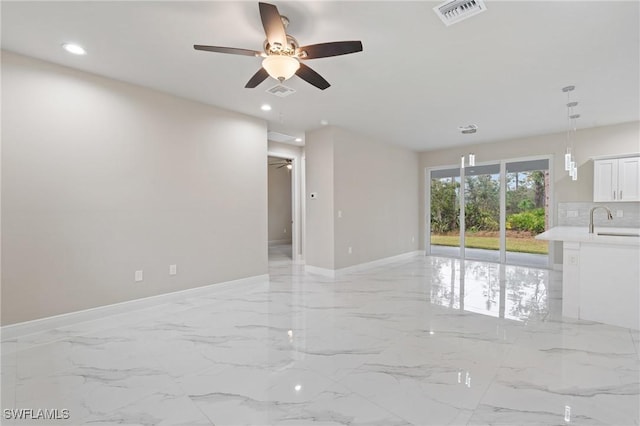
<point>102,178</point>
<point>284,149</point>
<point>367,199</point>
<point>319,244</point>
<point>279,211</point>
<point>618,139</point>
<point>376,190</point>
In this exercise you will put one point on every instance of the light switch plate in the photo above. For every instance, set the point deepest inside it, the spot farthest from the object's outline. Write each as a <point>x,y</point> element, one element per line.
<point>173,269</point>
<point>138,276</point>
<point>619,213</point>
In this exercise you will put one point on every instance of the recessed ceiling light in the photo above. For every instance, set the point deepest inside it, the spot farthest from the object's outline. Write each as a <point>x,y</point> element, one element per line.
<point>324,122</point>
<point>266,107</point>
<point>76,49</point>
<point>298,139</point>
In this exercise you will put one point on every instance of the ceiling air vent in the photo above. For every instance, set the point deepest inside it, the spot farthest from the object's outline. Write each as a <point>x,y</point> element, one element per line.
<point>467,130</point>
<point>281,90</point>
<point>453,11</point>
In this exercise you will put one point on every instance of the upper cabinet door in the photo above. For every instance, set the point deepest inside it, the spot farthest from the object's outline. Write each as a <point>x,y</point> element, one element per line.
<point>629,179</point>
<point>616,179</point>
<point>605,180</point>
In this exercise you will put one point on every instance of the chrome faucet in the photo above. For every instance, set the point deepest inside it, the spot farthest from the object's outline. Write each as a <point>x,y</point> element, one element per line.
<point>609,216</point>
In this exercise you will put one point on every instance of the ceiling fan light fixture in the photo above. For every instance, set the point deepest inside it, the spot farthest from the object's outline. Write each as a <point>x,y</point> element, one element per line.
<point>280,67</point>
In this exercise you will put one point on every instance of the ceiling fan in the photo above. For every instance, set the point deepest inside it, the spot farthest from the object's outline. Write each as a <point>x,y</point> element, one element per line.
<point>285,162</point>
<point>282,54</point>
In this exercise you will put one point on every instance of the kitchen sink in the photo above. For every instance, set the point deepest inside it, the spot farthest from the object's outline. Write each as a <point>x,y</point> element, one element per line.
<point>619,234</point>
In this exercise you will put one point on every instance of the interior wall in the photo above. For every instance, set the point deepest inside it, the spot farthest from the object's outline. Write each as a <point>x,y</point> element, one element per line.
<point>102,178</point>
<point>285,150</point>
<point>319,244</point>
<point>279,207</point>
<point>376,199</point>
<point>367,199</point>
<point>599,141</point>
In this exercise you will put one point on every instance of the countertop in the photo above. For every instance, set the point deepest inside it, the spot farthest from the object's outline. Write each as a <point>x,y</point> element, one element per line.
<point>580,234</point>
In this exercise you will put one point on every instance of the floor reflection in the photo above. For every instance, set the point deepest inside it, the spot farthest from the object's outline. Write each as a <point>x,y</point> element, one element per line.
<point>498,290</point>
<point>400,344</point>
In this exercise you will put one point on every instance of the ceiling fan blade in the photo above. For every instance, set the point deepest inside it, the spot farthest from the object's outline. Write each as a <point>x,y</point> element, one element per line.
<point>231,50</point>
<point>272,23</point>
<point>324,50</point>
<point>257,78</point>
<point>312,77</point>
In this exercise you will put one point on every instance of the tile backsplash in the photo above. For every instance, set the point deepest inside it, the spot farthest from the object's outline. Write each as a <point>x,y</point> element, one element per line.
<point>577,214</point>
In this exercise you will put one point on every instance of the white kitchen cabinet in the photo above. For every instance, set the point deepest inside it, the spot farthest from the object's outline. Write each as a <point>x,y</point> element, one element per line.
<point>616,179</point>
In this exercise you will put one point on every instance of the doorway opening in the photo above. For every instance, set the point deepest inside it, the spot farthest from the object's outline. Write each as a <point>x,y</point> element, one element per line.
<point>280,209</point>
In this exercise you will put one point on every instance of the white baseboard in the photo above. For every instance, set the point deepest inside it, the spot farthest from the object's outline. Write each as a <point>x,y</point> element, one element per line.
<point>14,331</point>
<point>379,262</point>
<point>325,272</point>
<point>333,273</point>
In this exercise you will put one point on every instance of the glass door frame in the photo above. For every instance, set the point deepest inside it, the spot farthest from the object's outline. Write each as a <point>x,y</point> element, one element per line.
<point>503,207</point>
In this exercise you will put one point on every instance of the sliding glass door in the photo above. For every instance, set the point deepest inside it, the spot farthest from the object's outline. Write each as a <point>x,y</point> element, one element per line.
<point>445,212</point>
<point>527,212</point>
<point>491,212</point>
<point>482,212</point>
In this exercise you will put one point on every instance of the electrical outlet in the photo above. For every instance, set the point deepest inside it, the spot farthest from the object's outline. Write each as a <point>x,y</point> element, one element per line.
<point>173,269</point>
<point>572,213</point>
<point>138,276</point>
<point>413,239</point>
<point>350,250</point>
<point>339,213</point>
<point>619,213</point>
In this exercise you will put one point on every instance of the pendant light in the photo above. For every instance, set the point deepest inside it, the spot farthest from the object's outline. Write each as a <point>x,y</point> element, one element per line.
<point>468,130</point>
<point>472,160</point>
<point>569,160</point>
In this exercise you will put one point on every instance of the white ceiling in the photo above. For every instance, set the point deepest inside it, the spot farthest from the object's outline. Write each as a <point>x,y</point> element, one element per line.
<point>415,82</point>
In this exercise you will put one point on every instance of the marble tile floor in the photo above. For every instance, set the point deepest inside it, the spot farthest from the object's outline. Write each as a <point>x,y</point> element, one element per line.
<point>425,341</point>
<point>280,253</point>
